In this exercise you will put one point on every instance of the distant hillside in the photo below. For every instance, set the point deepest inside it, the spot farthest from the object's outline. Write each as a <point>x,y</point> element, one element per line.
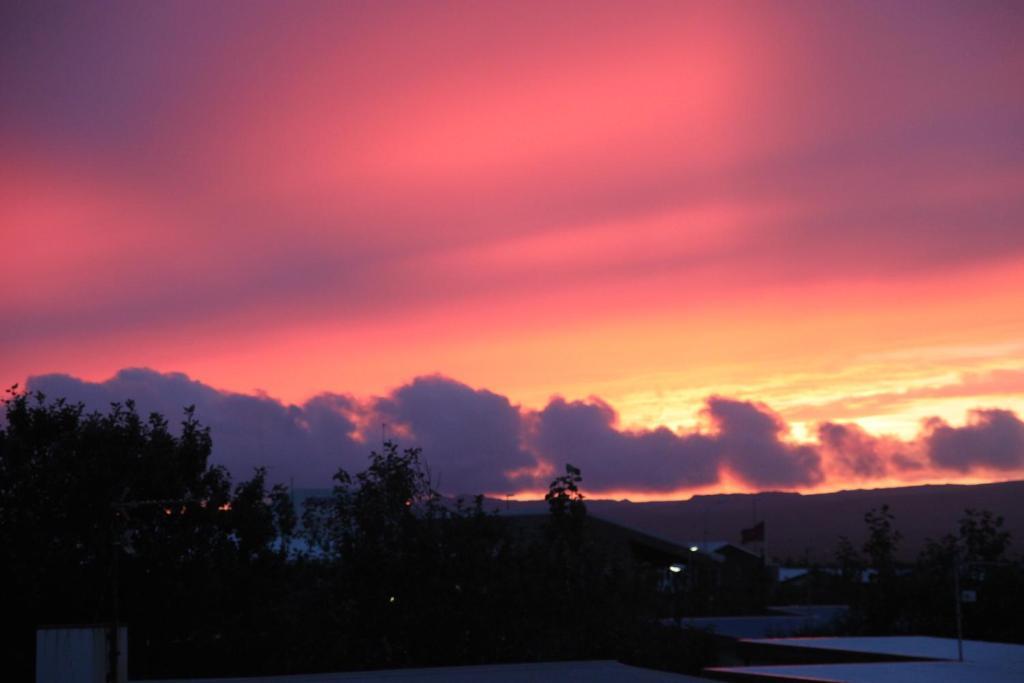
<point>809,525</point>
<point>799,526</point>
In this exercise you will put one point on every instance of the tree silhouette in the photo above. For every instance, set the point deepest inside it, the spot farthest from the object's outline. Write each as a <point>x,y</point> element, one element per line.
<point>102,510</point>
<point>564,497</point>
<point>882,541</point>
<point>217,578</point>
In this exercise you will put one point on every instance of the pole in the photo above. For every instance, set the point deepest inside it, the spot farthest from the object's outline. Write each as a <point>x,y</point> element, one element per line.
<point>707,506</point>
<point>114,646</point>
<point>959,614</point>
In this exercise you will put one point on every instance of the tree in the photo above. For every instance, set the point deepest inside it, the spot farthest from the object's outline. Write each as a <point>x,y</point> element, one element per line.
<point>563,497</point>
<point>851,568</point>
<point>883,598</point>
<point>882,541</point>
<point>98,505</point>
<point>983,537</point>
<point>208,579</point>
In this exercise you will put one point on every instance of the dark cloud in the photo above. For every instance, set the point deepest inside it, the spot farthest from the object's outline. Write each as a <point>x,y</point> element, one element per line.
<point>470,437</point>
<point>749,437</point>
<point>306,442</point>
<point>906,463</point>
<point>991,439</point>
<point>748,440</point>
<point>849,450</point>
<point>852,450</point>
<point>583,433</point>
<point>475,440</point>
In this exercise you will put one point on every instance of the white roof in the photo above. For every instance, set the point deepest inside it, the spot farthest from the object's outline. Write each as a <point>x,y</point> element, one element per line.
<point>984,662</point>
<point>716,547</point>
<point>786,620</point>
<point>790,573</point>
<point>924,647</point>
<point>883,672</point>
<point>493,673</point>
<point>707,546</point>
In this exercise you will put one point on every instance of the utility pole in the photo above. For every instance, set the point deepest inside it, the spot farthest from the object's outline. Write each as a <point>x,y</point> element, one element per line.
<point>113,651</point>
<point>959,612</point>
<point>704,538</point>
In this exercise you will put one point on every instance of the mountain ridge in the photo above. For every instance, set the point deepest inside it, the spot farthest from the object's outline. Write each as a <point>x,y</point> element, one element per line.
<point>801,528</point>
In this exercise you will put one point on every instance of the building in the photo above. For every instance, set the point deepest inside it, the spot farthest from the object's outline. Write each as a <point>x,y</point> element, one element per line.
<point>874,660</point>
<point>568,672</point>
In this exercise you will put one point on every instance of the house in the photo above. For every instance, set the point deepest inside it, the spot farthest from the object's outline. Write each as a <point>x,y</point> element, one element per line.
<point>729,579</point>
<point>698,577</point>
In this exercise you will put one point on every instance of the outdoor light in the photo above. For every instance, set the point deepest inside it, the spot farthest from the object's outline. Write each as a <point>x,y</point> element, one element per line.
<point>694,548</point>
<point>675,568</point>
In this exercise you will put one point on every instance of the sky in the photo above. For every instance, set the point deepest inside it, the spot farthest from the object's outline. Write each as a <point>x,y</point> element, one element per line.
<point>688,247</point>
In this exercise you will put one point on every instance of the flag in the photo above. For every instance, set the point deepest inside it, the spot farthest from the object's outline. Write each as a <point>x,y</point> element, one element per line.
<point>753,534</point>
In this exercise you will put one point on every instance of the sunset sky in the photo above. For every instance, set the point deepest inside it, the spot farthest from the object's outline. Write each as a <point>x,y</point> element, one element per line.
<point>689,247</point>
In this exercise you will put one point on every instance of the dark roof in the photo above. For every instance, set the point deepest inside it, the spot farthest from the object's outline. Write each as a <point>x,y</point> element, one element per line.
<point>644,547</point>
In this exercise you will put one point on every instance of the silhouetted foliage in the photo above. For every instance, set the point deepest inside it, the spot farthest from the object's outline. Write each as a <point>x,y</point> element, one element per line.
<point>83,495</point>
<point>883,539</point>
<point>983,537</point>
<point>887,598</point>
<point>563,497</point>
<point>215,578</point>
<point>851,567</point>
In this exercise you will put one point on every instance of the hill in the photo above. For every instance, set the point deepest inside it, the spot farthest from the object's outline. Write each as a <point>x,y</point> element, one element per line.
<point>806,527</point>
<point>800,527</point>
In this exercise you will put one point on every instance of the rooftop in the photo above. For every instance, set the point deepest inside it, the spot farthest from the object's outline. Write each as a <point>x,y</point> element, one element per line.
<point>928,659</point>
<point>493,673</point>
<point>879,672</point>
<point>785,620</point>
<point>915,647</point>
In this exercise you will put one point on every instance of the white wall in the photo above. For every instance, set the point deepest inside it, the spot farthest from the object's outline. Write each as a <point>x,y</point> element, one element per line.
<point>78,655</point>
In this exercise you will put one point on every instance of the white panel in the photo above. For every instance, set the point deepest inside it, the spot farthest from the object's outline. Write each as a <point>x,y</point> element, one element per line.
<point>77,655</point>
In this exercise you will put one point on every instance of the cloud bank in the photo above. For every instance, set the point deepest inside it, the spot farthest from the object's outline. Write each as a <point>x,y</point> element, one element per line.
<point>475,440</point>
<point>307,442</point>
